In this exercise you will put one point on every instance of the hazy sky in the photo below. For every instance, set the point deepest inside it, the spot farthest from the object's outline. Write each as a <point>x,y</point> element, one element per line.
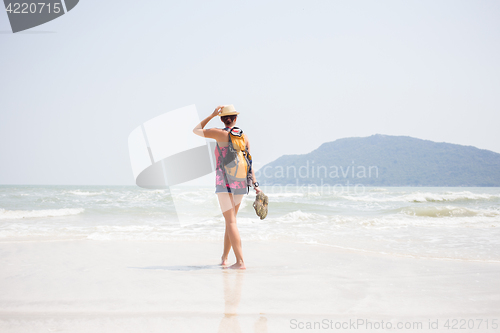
<point>300,72</point>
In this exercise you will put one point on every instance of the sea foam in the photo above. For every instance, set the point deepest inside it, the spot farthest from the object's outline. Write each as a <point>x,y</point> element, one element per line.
<point>21,214</point>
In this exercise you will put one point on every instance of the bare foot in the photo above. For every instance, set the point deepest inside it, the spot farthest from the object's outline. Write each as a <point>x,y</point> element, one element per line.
<point>223,262</point>
<point>238,265</point>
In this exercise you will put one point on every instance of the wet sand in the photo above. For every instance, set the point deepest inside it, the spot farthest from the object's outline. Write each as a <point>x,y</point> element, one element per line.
<point>126,286</point>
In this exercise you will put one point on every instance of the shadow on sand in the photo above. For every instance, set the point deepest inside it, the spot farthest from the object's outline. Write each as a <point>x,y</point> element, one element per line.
<point>181,268</point>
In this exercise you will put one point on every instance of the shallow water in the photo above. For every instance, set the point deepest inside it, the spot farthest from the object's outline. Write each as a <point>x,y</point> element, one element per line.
<point>439,223</point>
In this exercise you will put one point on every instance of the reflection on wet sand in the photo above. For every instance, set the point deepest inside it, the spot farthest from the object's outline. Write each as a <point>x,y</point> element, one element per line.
<point>233,282</point>
<point>260,325</point>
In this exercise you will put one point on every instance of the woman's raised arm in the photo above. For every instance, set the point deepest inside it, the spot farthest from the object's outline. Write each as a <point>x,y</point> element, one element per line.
<point>211,133</point>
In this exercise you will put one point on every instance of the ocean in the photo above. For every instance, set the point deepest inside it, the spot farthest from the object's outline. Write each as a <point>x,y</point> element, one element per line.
<point>461,224</point>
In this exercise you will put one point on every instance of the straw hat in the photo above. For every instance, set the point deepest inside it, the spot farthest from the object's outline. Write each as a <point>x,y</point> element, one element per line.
<point>228,110</point>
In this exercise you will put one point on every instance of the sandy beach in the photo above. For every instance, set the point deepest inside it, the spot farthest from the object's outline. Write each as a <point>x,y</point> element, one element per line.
<point>108,286</point>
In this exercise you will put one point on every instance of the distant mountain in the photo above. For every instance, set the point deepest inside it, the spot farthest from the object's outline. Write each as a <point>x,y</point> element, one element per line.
<point>384,160</point>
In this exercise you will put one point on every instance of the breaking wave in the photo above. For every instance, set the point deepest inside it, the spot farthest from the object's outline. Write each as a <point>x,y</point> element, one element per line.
<point>431,211</point>
<point>428,197</point>
<point>21,214</point>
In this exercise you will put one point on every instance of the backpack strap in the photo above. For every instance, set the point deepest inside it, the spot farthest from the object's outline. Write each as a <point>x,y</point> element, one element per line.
<point>221,158</point>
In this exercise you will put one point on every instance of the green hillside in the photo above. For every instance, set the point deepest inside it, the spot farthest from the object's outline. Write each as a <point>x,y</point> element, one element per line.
<point>384,160</point>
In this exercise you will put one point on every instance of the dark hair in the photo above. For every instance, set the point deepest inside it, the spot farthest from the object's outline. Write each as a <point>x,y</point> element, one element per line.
<point>228,119</point>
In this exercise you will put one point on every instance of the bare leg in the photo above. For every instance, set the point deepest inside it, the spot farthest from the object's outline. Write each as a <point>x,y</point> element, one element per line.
<point>234,237</point>
<point>227,242</point>
<point>227,248</point>
<point>229,210</point>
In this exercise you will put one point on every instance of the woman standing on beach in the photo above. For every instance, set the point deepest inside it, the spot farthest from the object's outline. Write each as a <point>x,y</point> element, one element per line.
<point>229,194</point>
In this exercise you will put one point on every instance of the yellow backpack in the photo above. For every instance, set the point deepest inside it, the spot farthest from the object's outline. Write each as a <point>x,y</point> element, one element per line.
<point>237,162</point>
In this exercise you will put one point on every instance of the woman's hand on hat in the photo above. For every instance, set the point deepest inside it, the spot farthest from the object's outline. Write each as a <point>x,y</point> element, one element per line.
<point>217,110</point>
<point>257,190</point>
